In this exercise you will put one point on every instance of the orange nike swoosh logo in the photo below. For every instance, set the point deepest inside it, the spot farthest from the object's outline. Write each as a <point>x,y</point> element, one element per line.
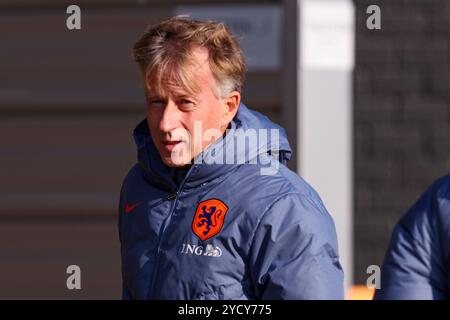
<point>129,208</point>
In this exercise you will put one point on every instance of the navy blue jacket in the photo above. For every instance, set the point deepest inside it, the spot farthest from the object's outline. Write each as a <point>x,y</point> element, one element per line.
<point>227,231</point>
<point>417,264</point>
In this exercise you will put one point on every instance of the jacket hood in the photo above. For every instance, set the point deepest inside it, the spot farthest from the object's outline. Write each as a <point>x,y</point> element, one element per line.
<point>214,161</point>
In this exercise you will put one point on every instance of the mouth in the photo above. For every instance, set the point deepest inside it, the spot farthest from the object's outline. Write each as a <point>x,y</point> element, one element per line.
<point>170,145</point>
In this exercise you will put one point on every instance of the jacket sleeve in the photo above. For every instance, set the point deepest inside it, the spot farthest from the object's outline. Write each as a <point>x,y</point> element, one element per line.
<point>126,295</point>
<point>414,267</point>
<point>294,253</point>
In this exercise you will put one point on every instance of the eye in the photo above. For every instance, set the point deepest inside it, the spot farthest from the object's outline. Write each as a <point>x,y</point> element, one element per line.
<point>157,103</point>
<point>186,102</point>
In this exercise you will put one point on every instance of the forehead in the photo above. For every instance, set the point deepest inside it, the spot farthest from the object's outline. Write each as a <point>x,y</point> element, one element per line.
<point>193,78</point>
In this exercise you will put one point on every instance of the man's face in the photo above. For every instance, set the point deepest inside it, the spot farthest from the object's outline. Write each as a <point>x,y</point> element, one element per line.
<point>171,115</point>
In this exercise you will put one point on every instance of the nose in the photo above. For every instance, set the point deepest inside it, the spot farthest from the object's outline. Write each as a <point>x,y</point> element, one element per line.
<point>169,117</point>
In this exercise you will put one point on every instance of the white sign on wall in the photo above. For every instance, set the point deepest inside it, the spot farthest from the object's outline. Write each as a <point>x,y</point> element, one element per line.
<point>327,40</point>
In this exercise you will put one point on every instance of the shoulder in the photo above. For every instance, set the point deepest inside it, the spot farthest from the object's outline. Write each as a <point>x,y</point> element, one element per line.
<point>134,172</point>
<point>282,193</point>
<point>279,180</point>
<point>441,215</point>
<point>424,230</point>
<point>432,207</point>
<point>134,179</point>
<point>441,188</point>
<point>415,263</point>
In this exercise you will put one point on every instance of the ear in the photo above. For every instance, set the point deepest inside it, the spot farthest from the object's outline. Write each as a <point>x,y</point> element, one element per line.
<point>230,107</point>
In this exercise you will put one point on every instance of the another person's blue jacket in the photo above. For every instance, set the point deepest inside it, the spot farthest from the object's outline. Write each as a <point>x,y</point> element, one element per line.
<point>225,231</point>
<point>417,263</point>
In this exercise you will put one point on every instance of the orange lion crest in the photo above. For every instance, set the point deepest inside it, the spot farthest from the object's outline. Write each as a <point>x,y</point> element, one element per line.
<point>208,219</point>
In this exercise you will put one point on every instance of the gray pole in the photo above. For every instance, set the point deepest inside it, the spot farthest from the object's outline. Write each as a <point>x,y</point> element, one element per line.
<point>319,78</point>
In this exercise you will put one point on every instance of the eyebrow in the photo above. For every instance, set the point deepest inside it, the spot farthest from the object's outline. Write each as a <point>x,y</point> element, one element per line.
<point>154,96</point>
<point>177,95</point>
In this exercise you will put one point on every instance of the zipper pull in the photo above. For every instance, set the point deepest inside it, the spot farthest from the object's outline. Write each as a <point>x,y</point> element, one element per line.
<point>172,195</point>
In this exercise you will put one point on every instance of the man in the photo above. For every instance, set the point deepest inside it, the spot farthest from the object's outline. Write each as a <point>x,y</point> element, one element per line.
<point>194,227</point>
<point>417,264</point>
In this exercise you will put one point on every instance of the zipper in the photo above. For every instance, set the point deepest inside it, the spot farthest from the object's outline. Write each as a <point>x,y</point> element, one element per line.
<point>172,196</point>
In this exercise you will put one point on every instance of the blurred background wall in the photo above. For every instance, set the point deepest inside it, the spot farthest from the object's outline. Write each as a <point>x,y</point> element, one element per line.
<point>70,100</point>
<point>401,117</point>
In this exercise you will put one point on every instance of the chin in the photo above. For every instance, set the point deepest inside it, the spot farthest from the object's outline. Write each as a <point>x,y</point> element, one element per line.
<point>179,157</point>
<point>168,162</point>
<point>175,163</point>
